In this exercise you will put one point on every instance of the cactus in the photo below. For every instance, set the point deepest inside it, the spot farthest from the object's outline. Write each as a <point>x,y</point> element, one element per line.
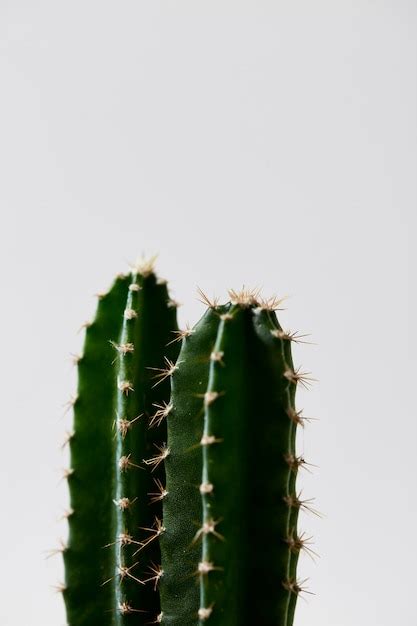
<point>230,516</point>
<point>122,395</point>
<point>199,511</point>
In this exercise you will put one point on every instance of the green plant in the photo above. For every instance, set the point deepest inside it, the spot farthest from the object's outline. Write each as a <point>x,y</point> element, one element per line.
<point>198,511</point>
<point>117,424</point>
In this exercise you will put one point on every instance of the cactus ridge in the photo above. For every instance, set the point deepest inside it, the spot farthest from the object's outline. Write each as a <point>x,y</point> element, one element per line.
<point>232,473</point>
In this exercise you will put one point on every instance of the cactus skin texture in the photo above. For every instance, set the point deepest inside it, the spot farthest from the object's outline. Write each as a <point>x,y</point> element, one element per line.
<point>123,393</point>
<point>230,546</point>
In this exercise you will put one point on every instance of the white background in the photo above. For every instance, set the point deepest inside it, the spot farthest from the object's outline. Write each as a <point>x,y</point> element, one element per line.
<point>265,143</point>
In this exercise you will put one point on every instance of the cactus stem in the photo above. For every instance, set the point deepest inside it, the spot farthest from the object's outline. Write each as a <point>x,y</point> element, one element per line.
<point>163,411</point>
<point>160,494</point>
<point>204,613</point>
<point>164,451</point>
<point>206,488</point>
<point>157,572</point>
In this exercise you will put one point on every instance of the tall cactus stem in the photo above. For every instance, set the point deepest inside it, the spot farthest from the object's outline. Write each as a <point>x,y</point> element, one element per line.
<point>243,442</point>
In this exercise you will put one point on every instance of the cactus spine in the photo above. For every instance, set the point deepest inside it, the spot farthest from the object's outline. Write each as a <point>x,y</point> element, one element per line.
<point>113,519</point>
<point>199,511</point>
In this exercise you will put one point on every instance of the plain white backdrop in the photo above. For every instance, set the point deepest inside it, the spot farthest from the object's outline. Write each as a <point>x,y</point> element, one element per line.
<point>267,143</point>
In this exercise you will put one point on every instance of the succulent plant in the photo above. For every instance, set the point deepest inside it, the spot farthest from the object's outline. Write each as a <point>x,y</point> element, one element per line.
<point>184,504</point>
<point>123,396</point>
<point>230,514</point>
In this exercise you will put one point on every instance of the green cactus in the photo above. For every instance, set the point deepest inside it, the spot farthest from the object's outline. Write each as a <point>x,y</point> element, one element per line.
<point>231,545</point>
<point>117,430</point>
<point>198,511</point>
